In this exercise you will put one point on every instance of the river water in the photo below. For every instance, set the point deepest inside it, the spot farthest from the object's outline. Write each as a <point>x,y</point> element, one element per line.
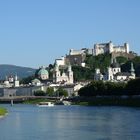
<point>29,122</point>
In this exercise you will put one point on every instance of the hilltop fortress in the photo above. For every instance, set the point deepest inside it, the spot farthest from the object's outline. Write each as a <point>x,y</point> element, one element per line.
<point>61,74</point>
<point>114,50</point>
<point>77,57</point>
<point>109,48</point>
<point>102,48</point>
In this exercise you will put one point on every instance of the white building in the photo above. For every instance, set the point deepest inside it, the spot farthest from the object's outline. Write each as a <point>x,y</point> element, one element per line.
<point>11,81</point>
<point>114,73</point>
<point>77,87</point>
<point>64,77</point>
<point>77,52</point>
<point>16,81</point>
<point>72,89</point>
<point>98,75</point>
<point>36,82</point>
<point>61,61</point>
<point>109,48</point>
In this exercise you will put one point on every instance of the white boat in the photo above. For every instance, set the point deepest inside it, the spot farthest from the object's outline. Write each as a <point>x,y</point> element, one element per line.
<point>45,104</point>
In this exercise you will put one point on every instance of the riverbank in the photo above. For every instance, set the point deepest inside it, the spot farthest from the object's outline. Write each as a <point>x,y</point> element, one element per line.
<point>3,112</point>
<point>36,101</point>
<point>132,101</point>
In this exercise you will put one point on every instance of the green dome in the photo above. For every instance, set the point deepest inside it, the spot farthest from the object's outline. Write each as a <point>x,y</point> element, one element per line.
<point>43,71</point>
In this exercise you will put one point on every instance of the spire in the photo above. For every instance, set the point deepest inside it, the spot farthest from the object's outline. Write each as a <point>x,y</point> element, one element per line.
<point>132,68</point>
<point>6,78</point>
<point>56,67</point>
<point>115,64</point>
<point>69,68</point>
<point>112,60</point>
<point>16,78</point>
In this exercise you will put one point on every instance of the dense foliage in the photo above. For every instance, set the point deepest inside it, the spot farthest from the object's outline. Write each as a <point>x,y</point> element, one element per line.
<point>100,88</point>
<point>136,61</point>
<point>101,61</point>
<point>133,87</point>
<point>50,91</point>
<point>81,73</point>
<point>40,93</point>
<point>27,80</point>
<point>92,62</point>
<point>121,60</point>
<point>62,92</point>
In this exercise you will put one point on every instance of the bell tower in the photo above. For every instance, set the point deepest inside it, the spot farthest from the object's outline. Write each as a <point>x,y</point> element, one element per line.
<point>70,74</point>
<point>56,74</point>
<point>132,70</point>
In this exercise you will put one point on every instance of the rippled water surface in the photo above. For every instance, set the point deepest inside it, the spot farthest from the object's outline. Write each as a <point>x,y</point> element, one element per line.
<point>29,122</point>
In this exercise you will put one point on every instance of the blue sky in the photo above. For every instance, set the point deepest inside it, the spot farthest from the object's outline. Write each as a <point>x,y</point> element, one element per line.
<point>35,32</point>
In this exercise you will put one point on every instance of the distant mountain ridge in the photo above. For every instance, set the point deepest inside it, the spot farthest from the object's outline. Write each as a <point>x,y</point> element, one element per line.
<point>22,72</point>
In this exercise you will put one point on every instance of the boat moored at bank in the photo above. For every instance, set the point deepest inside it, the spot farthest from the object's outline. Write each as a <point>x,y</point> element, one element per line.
<point>45,104</point>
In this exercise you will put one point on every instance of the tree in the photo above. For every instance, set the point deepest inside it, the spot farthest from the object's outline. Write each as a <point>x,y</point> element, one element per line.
<point>51,66</point>
<point>50,91</point>
<point>27,80</point>
<point>127,66</point>
<point>101,61</point>
<point>121,59</point>
<point>133,87</point>
<point>39,93</point>
<point>81,73</point>
<point>102,88</point>
<point>62,92</point>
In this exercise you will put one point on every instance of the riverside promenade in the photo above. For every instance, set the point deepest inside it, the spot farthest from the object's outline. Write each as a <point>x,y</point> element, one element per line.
<point>20,99</point>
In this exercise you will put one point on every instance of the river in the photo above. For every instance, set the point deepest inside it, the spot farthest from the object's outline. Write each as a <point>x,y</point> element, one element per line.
<point>29,122</point>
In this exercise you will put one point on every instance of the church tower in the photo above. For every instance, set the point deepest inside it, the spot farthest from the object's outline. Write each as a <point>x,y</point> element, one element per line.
<point>16,81</point>
<point>70,74</point>
<point>132,71</point>
<point>126,45</point>
<point>115,67</point>
<point>56,74</point>
<point>110,47</point>
<point>109,74</point>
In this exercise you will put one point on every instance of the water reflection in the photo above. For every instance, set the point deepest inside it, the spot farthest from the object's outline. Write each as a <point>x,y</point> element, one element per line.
<point>28,122</point>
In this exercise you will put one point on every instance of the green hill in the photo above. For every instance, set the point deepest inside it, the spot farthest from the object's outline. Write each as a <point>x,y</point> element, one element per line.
<point>21,72</point>
<point>103,61</point>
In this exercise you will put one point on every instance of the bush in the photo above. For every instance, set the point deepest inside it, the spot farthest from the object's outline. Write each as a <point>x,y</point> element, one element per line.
<point>62,92</point>
<point>50,91</point>
<point>100,88</point>
<point>3,111</point>
<point>39,93</point>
